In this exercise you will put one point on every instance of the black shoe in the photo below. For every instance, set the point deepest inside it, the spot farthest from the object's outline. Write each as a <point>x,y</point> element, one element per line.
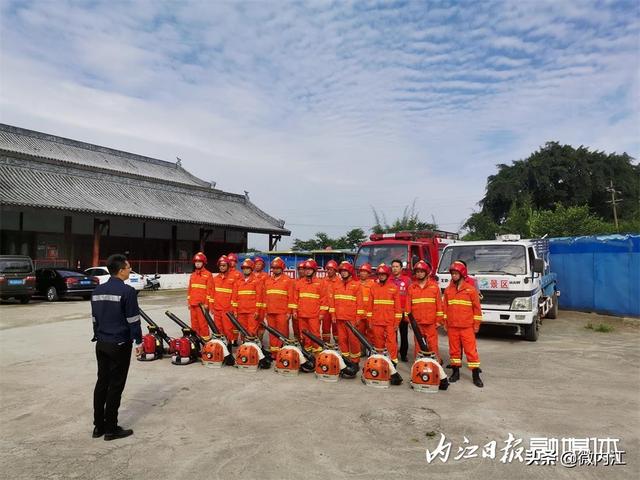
<point>477,381</point>
<point>455,376</point>
<point>119,432</point>
<point>395,379</point>
<point>97,432</point>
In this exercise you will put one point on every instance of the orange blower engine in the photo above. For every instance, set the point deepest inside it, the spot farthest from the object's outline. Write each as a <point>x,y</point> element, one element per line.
<point>292,358</point>
<point>215,352</point>
<point>187,348</point>
<point>378,371</point>
<point>330,364</point>
<point>152,343</point>
<point>427,375</point>
<point>250,355</point>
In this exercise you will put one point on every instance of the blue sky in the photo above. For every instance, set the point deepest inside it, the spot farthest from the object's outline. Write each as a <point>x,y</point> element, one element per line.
<point>323,109</point>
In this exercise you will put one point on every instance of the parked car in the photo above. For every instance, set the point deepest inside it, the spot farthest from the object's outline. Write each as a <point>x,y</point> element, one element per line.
<point>17,278</point>
<point>55,283</point>
<point>102,273</point>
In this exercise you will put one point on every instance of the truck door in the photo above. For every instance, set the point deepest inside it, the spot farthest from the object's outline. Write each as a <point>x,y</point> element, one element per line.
<point>415,256</point>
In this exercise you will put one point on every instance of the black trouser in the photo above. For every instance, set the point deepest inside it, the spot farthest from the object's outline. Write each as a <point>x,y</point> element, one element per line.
<point>404,340</point>
<point>113,366</point>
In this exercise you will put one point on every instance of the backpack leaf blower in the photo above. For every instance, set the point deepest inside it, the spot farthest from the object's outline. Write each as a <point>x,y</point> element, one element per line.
<point>330,363</point>
<point>250,355</point>
<point>427,375</point>
<point>378,371</point>
<point>152,342</point>
<point>187,348</point>
<point>215,351</point>
<point>292,357</point>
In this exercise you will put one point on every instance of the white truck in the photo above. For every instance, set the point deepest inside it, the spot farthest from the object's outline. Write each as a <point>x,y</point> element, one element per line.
<point>514,278</point>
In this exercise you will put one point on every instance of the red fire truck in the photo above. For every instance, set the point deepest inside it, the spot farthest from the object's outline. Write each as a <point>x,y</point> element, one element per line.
<point>408,247</point>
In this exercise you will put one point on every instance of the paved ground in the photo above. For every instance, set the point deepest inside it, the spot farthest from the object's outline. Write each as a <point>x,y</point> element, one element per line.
<point>196,422</point>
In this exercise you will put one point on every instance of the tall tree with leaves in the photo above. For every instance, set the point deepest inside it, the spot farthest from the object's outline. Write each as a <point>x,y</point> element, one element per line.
<point>410,220</point>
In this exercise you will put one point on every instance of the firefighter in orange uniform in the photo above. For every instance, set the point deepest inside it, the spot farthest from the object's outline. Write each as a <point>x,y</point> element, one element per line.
<point>199,290</point>
<point>300,277</point>
<point>346,305</point>
<point>364,272</point>
<point>261,276</point>
<point>312,304</point>
<point>385,312</point>
<point>279,302</point>
<point>330,280</point>
<point>462,318</point>
<point>220,303</point>
<point>246,300</point>
<point>425,303</point>
<point>233,261</point>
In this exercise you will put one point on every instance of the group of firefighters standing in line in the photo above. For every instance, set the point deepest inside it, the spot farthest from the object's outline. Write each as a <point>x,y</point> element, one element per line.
<point>378,308</point>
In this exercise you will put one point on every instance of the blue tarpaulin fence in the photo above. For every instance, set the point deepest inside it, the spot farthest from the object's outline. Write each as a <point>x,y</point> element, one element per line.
<point>598,273</point>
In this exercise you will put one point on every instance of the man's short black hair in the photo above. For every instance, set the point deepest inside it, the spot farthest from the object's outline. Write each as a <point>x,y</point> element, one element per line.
<point>396,260</point>
<point>115,263</point>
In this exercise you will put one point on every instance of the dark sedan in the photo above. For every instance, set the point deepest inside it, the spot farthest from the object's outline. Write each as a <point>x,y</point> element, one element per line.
<point>56,283</point>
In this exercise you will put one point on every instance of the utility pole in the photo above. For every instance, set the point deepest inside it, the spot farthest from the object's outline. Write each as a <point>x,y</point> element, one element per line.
<point>614,202</point>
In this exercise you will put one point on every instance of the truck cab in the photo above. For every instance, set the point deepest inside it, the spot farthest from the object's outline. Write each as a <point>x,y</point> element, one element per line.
<point>408,247</point>
<point>514,278</point>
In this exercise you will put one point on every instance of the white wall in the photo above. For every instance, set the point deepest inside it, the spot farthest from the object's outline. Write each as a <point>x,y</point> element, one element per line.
<point>174,281</point>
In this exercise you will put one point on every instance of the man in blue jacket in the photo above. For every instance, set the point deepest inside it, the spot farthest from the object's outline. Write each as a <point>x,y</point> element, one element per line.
<point>116,324</point>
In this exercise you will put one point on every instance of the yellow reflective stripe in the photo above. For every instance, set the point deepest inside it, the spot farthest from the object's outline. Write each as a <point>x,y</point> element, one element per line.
<point>332,310</point>
<point>455,359</point>
<point>309,295</point>
<point>360,312</point>
<point>324,307</point>
<point>344,297</point>
<point>439,314</point>
<point>198,285</point>
<point>423,300</point>
<point>398,315</point>
<point>365,299</point>
<point>383,302</point>
<point>234,304</point>
<point>246,292</point>
<point>292,305</point>
<point>477,317</point>
<point>473,364</point>
<point>369,314</point>
<point>460,302</point>
<point>223,290</point>
<point>277,292</point>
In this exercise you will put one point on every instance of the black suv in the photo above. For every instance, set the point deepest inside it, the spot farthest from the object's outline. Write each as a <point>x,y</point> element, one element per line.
<point>17,278</point>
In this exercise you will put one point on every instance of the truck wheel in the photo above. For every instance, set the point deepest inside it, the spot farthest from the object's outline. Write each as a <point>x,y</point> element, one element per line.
<point>52,294</point>
<point>531,332</point>
<point>553,311</point>
<point>24,300</point>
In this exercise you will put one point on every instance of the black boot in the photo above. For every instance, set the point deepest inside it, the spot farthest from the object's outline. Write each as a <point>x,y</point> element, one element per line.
<point>455,376</point>
<point>477,381</point>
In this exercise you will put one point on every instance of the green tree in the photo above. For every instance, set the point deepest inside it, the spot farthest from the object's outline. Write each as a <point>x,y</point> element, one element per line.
<point>349,241</point>
<point>410,220</point>
<point>568,222</point>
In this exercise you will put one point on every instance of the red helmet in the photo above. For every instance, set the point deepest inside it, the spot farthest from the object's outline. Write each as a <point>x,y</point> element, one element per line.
<point>223,259</point>
<point>346,266</point>
<point>301,264</point>
<point>366,267</point>
<point>459,267</point>
<point>278,263</point>
<point>422,265</point>
<point>311,263</point>
<point>257,260</point>
<point>232,257</point>
<point>331,264</point>
<point>248,263</point>
<point>383,269</point>
<point>200,257</point>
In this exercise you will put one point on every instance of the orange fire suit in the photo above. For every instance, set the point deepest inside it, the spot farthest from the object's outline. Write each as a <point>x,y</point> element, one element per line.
<point>279,304</point>
<point>312,305</point>
<point>425,303</point>
<point>261,277</point>
<point>385,313</point>
<point>200,283</point>
<point>329,283</point>
<point>462,317</point>
<point>346,305</point>
<point>246,302</point>
<point>220,304</point>
<point>363,325</point>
